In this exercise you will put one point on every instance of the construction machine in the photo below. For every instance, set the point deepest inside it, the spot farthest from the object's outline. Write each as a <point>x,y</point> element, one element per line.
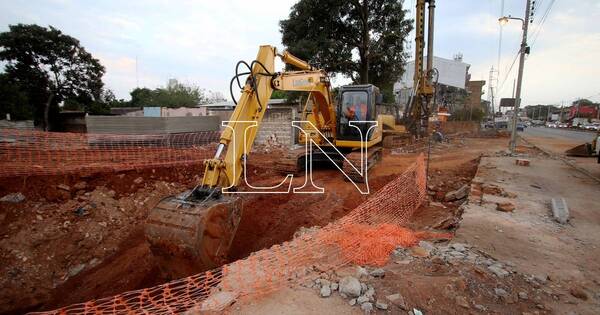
<point>193,231</point>
<point>588,149</point>
<point>422,100</point>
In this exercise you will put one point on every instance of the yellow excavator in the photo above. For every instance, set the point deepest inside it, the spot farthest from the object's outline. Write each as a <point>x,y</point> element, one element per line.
<point>193,231</point>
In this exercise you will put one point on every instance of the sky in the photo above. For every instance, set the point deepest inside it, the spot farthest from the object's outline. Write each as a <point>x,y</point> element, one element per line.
<point>145,43</point>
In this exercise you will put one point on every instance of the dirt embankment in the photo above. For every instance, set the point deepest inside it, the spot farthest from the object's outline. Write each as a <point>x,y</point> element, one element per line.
<point>76,237</point>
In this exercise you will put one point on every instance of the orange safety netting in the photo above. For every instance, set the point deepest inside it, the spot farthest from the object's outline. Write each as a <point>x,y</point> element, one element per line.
<point>26,152</point>
<point>367,235</point>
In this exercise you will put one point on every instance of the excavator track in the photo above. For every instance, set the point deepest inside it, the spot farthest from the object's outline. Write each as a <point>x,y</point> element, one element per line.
<point>292,162</point>
<point>374,157</point>
<point>188,236</point>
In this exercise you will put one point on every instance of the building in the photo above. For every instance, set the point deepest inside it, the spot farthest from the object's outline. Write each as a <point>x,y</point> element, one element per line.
<point>452,81</point>
<point>474,93</point>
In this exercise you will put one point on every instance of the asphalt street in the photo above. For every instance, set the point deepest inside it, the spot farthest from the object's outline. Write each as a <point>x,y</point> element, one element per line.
<point>561,133</point>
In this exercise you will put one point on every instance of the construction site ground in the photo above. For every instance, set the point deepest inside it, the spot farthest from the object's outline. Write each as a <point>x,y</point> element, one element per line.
<point>80,237</point>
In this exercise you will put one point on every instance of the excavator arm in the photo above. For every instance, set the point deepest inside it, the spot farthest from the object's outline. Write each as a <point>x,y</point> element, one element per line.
<point>192,232</point>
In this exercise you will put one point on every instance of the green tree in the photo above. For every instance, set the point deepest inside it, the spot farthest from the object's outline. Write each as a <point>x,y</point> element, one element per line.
<point>330,32</point>
<point>52,66</point>
<point>14,100</point>
<point>177,95</point>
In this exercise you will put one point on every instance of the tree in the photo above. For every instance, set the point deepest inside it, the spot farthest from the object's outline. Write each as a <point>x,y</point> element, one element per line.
<point>51,64</point>
<point>330,33</point>
<point>176,95</point>
<point>14,100</point>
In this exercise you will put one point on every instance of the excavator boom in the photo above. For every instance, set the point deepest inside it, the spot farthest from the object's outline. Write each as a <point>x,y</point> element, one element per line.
<point>192,232</point>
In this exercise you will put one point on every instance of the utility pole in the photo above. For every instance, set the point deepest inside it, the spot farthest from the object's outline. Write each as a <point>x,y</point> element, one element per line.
<point>524,49</point>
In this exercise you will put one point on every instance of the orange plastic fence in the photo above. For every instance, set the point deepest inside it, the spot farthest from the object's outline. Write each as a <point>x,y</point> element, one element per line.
<point>25,152</point>
<point>366,235</point>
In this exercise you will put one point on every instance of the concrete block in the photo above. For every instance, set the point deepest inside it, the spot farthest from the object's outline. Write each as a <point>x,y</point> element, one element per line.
<point>560,210</point>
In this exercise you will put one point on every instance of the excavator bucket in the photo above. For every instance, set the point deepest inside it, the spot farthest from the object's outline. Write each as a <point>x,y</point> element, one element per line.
<point>584,150</point>
<point>191,235</point>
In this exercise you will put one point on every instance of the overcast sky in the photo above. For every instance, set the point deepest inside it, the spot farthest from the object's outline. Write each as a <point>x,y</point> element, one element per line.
<point>199,42</point>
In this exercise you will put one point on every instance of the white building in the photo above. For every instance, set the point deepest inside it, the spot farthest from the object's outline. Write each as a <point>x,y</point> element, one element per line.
<point>452,73</point>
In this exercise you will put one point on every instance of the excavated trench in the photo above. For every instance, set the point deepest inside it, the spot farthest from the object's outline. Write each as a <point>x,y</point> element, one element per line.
<point>267,219</point>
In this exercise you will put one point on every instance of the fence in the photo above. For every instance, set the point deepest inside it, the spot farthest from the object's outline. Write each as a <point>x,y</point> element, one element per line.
<point>25,152</point>
<point>367,235</point>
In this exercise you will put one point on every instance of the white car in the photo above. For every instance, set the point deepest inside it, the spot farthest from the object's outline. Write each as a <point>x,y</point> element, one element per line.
<point>594,126</point>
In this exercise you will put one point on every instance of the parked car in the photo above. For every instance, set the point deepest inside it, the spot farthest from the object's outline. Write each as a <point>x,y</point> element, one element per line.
<point>563,125</point>
<point>521,126</point>
<point>551,124</point>
<point>593,126</point>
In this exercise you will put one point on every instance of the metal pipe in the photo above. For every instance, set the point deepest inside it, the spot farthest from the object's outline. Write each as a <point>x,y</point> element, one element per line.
<point>430,29</point>
<point>220,148</point>
<point>290,59</point>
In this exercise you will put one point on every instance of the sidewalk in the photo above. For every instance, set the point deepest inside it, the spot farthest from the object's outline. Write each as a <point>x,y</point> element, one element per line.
<point>564,258</point>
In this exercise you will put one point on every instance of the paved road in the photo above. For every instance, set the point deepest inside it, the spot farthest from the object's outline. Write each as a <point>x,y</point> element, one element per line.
<point>562,134</point>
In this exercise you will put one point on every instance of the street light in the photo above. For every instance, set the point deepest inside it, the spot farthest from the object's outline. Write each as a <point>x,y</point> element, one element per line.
<point>524,50</point>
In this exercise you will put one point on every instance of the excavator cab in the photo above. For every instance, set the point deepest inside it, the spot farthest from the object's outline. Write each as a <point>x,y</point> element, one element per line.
<point>357,103</point>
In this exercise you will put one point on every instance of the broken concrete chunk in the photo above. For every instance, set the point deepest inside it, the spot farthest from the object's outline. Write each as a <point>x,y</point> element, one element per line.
<point>138,180</point>
<point>350,286</point>
<point>381,305</point>
<point>362,299</point>
<point>560,210</point>
<point>458,194</point>
<point>398,300</point>
<point>498,271</point>
<point>325,291</point>
<point>367,307</point>
<point>500,292</point>
<point>505,207</point>
<point>13,198</point>
<point>379,272</point>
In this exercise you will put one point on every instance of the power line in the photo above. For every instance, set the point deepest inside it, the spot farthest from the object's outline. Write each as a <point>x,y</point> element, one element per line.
<point>509,71</point>
<point>542,21</point>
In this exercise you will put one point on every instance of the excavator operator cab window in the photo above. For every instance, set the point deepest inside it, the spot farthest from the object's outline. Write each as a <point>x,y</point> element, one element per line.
<point>355,106</point>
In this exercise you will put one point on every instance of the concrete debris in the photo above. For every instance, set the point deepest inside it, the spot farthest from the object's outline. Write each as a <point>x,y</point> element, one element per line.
<point>523,295</point>
<point>13,198</point>
<point>427,246</point>
<point>416,312</point>
<point>334,286</point>
<point>138,180</point>
<point>398,300</point>
<point>363,288</point>
<point>379,272</point>
<point>350,286</point>
<point>458,194</point>
<point>498,270</point>
<point>381,305</point>
<point>367,307</point>
<point>73,271</point>
<point>500,292</point>
<point>560,210</point>
<point>505,207</point>
<point>361,272</point>
<point>418,251</point>
<point>352,302</point>
<point>458,247</point>
<point>325,291</point>
<point>362,299</point>
<point>480,307</point>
